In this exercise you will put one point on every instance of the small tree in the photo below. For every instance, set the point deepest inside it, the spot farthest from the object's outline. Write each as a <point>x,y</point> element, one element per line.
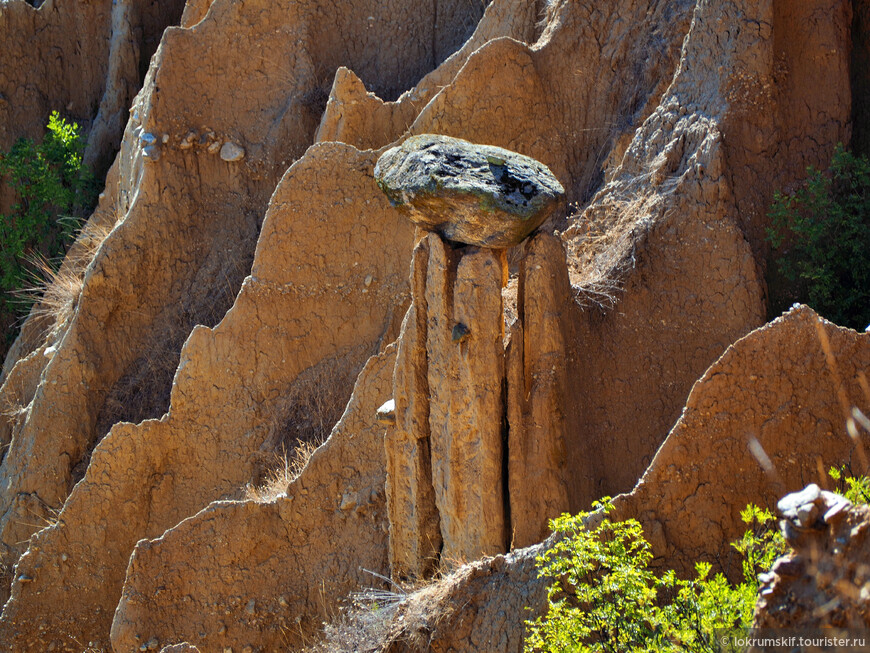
<point>53,192</point>
<point>821,238</point>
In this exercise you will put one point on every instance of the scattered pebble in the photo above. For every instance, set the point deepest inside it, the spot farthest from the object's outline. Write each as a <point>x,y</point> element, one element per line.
<point>232,152</point>
<point>348,502</point>
<point>152,153</point>
<point>187,142</point>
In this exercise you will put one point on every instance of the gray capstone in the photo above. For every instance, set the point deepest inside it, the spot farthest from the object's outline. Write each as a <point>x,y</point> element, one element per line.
<point>473,194</point>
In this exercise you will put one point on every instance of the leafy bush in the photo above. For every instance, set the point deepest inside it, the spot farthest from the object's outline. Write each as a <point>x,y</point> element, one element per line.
<point>53,192</point>
<point>604,597</point>
<point>821,234</point>
<point>855,488</point>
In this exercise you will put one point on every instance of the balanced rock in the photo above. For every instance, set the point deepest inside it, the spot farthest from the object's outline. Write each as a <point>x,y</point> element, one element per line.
<point>474,194</point>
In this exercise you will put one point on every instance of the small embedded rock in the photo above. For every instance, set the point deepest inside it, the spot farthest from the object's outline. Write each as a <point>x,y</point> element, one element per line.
<point>232,152</point>
<point>473,194</point>
<point>348,502</point>
<point>460,332</point>
<point>786,567</point>
<point>187,142</point>
<point>837,511</point>
<point>386,414</point>
<point>214,147</point>
<point>151,152</point>
<point>806,514</point>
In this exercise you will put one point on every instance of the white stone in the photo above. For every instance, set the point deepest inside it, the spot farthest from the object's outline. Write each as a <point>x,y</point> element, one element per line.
<point>232,152</point>
<point>386,414</point>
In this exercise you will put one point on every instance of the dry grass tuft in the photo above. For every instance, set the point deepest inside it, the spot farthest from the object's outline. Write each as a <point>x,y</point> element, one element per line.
<point>601,244</point>
<point>361,627</point>
<point>403,611</point>
<point>299,422</point>
<point>312,405</point>
<point>279,478</point>
<point>85,247</point>
<point>144,390</point>
<point>54,290</point>
<point>363,624</point>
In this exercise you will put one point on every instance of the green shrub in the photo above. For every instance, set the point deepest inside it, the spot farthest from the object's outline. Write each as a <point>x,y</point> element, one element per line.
<point>604,597</point>
<point>53,192</point>
<point>855,488</point>
<point>821,238</point>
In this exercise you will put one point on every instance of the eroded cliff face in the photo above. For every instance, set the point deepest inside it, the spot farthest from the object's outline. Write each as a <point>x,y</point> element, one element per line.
<point>274,570</point>
<point>84,59</point>
<point>242,246</point>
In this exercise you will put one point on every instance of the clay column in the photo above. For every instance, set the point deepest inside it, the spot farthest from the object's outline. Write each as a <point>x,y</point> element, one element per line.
<point>446,453</point>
